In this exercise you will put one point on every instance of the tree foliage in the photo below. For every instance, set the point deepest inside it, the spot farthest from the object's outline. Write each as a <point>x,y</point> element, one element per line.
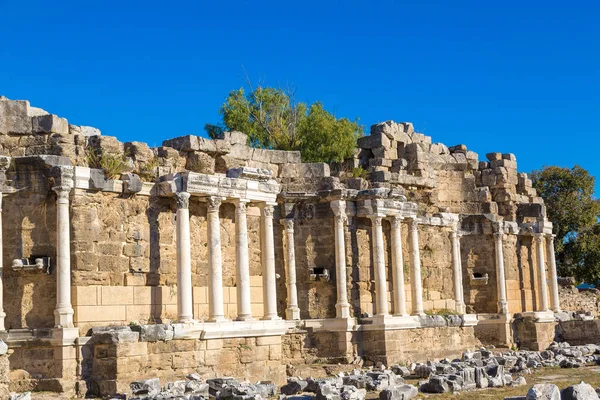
<point>574,211</point>
<point>274,120</point>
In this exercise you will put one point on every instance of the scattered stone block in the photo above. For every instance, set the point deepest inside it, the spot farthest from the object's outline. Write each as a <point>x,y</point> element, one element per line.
<point>543,391</point>
<point>149,387</point>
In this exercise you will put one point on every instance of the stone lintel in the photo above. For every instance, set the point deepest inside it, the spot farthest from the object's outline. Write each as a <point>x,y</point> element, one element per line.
<point>258,174</point>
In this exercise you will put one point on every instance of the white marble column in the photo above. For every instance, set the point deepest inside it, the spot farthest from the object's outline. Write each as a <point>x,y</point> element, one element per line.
<point>554,297</point>
<point>268,261</point>
<point>244,306</point>
<point>215,261</point>
<point>185,311</point>
<point>500,279</point>
<point>457,271</point>
<point>342,307</point>
<point>415,263</point>
<point>2,313</point>
<point>381,303</point>
<point>292,312</point>
<point>542,280</point>
<point>398,267</point>
<point>63,314</point>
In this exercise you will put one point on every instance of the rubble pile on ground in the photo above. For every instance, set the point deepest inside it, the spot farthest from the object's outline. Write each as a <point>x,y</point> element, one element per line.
<point>484,368</point>
<point>478,369</point>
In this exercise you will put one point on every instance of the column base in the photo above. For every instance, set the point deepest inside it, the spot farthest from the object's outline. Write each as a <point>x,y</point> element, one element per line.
<point>292,313</point>
<point>185,320</point>
<point>342,310</point>
<point>63,317</point>
<point>502,307</point>
<point>244,318</point>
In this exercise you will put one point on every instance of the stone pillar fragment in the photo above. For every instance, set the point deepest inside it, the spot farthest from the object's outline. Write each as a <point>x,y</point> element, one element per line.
<point>292,311</point>
<point>381,303</point>
<point>457,271</point>
<point>268,262</point>
<point>415,262</point>
<point>398,267</point>
<point>244,306</point>
<point>500,279</point>
<point>542,281</point>
<point>342,307</point>
<point>185,311</point>
<point>215,261</point>
<point>554,297</point>
<point>63,314</point>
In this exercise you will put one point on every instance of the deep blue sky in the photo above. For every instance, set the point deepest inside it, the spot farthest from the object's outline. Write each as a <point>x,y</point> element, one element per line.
<point>521,77</point>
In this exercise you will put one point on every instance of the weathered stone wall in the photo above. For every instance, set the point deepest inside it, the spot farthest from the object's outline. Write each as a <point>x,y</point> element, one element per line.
<point>116,359</point>
<point>586,301</point>
<point>577,332</point>
<point>413,345</point>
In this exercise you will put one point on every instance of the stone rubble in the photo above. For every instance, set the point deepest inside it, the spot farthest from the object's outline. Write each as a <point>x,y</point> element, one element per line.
<point>478,369</point>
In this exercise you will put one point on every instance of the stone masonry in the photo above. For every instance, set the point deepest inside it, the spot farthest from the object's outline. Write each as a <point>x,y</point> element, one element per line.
<point>243,255</point>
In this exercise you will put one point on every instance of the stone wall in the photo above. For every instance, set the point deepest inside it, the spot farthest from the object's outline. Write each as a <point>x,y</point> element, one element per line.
<point>581,302</point>
<point>118,357</point>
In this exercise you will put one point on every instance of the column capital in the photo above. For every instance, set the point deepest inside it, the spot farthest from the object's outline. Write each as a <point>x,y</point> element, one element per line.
<point>241,205</point>
<point>413,224</point>
<point>288,224</point>
<point>182,199</point>
<point>538,237</point>
<point>376,220</point>
<point>338,206</point>
<point>499,235</point>
<point>214,203</point>
<point>266,209</point>
<point>396,220</point>
<point>62,191</point>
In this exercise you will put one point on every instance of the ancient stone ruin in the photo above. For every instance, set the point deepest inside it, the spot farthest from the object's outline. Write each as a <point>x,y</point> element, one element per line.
<point>123,262</point>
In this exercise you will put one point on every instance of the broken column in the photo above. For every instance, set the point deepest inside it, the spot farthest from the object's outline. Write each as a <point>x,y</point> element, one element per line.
<point>342,306</point>
<point>554,298</point>
<point>457,271</point>
<point>500,279</point>
<point>415,263</point>
<point>292,312</point>
<point>185,311</point>
<point>244,308</point>
<point>541,263</point>
<point>398,267</point>
<point>268,261</point>
<point>63,314</point>
<point>215,261</point>
<point>381,303</point>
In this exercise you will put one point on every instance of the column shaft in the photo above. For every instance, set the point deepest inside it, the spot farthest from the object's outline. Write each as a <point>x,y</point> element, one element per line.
<point>500,279</point>
<point>342,307</point>
<point>215,262</point>
<point>543,283</point>
<point>185,311</point>
<point>292,311</point>
<point>398,268</point>
<point>244,307</point>
<point>415,261</point>
<point>381,303</point>
<point>268,262</point>
<point>457,271</point>
<point>63,314</point>
<point>554,297</point>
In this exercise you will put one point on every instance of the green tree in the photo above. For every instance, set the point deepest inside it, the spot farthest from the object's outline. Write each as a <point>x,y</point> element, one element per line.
<point>573,210</point>
<point>274,120</point>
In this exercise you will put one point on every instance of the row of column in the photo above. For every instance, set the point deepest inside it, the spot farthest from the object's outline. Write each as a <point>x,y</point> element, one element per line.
<point>215,261</point>
<point>541,269</point>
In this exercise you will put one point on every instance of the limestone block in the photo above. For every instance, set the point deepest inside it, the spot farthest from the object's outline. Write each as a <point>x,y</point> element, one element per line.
<point>261,155</point>
<point>493,156</point>
<point>380,176</point>
<point>139,151</point>
<point>221,146</point>
<point>374,140</point>
<point>439,148</point>
<point>385,152</point>
<point>290,171</point>
<point>89,131</point>
<point>241,152</point>
<point>200,162</point>
<point>50,124</point>
<point>459,148</point>
<point>293,157</point>
<point>115,295</point>
<point>183,143</point>
<point>14,118</point>
<point>314,170</point>
<point>543,391</point>
<point>131,183</point>
<point>234,137</point>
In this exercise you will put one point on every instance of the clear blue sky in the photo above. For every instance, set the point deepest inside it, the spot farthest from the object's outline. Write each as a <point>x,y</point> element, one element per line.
<point>521,77</point>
